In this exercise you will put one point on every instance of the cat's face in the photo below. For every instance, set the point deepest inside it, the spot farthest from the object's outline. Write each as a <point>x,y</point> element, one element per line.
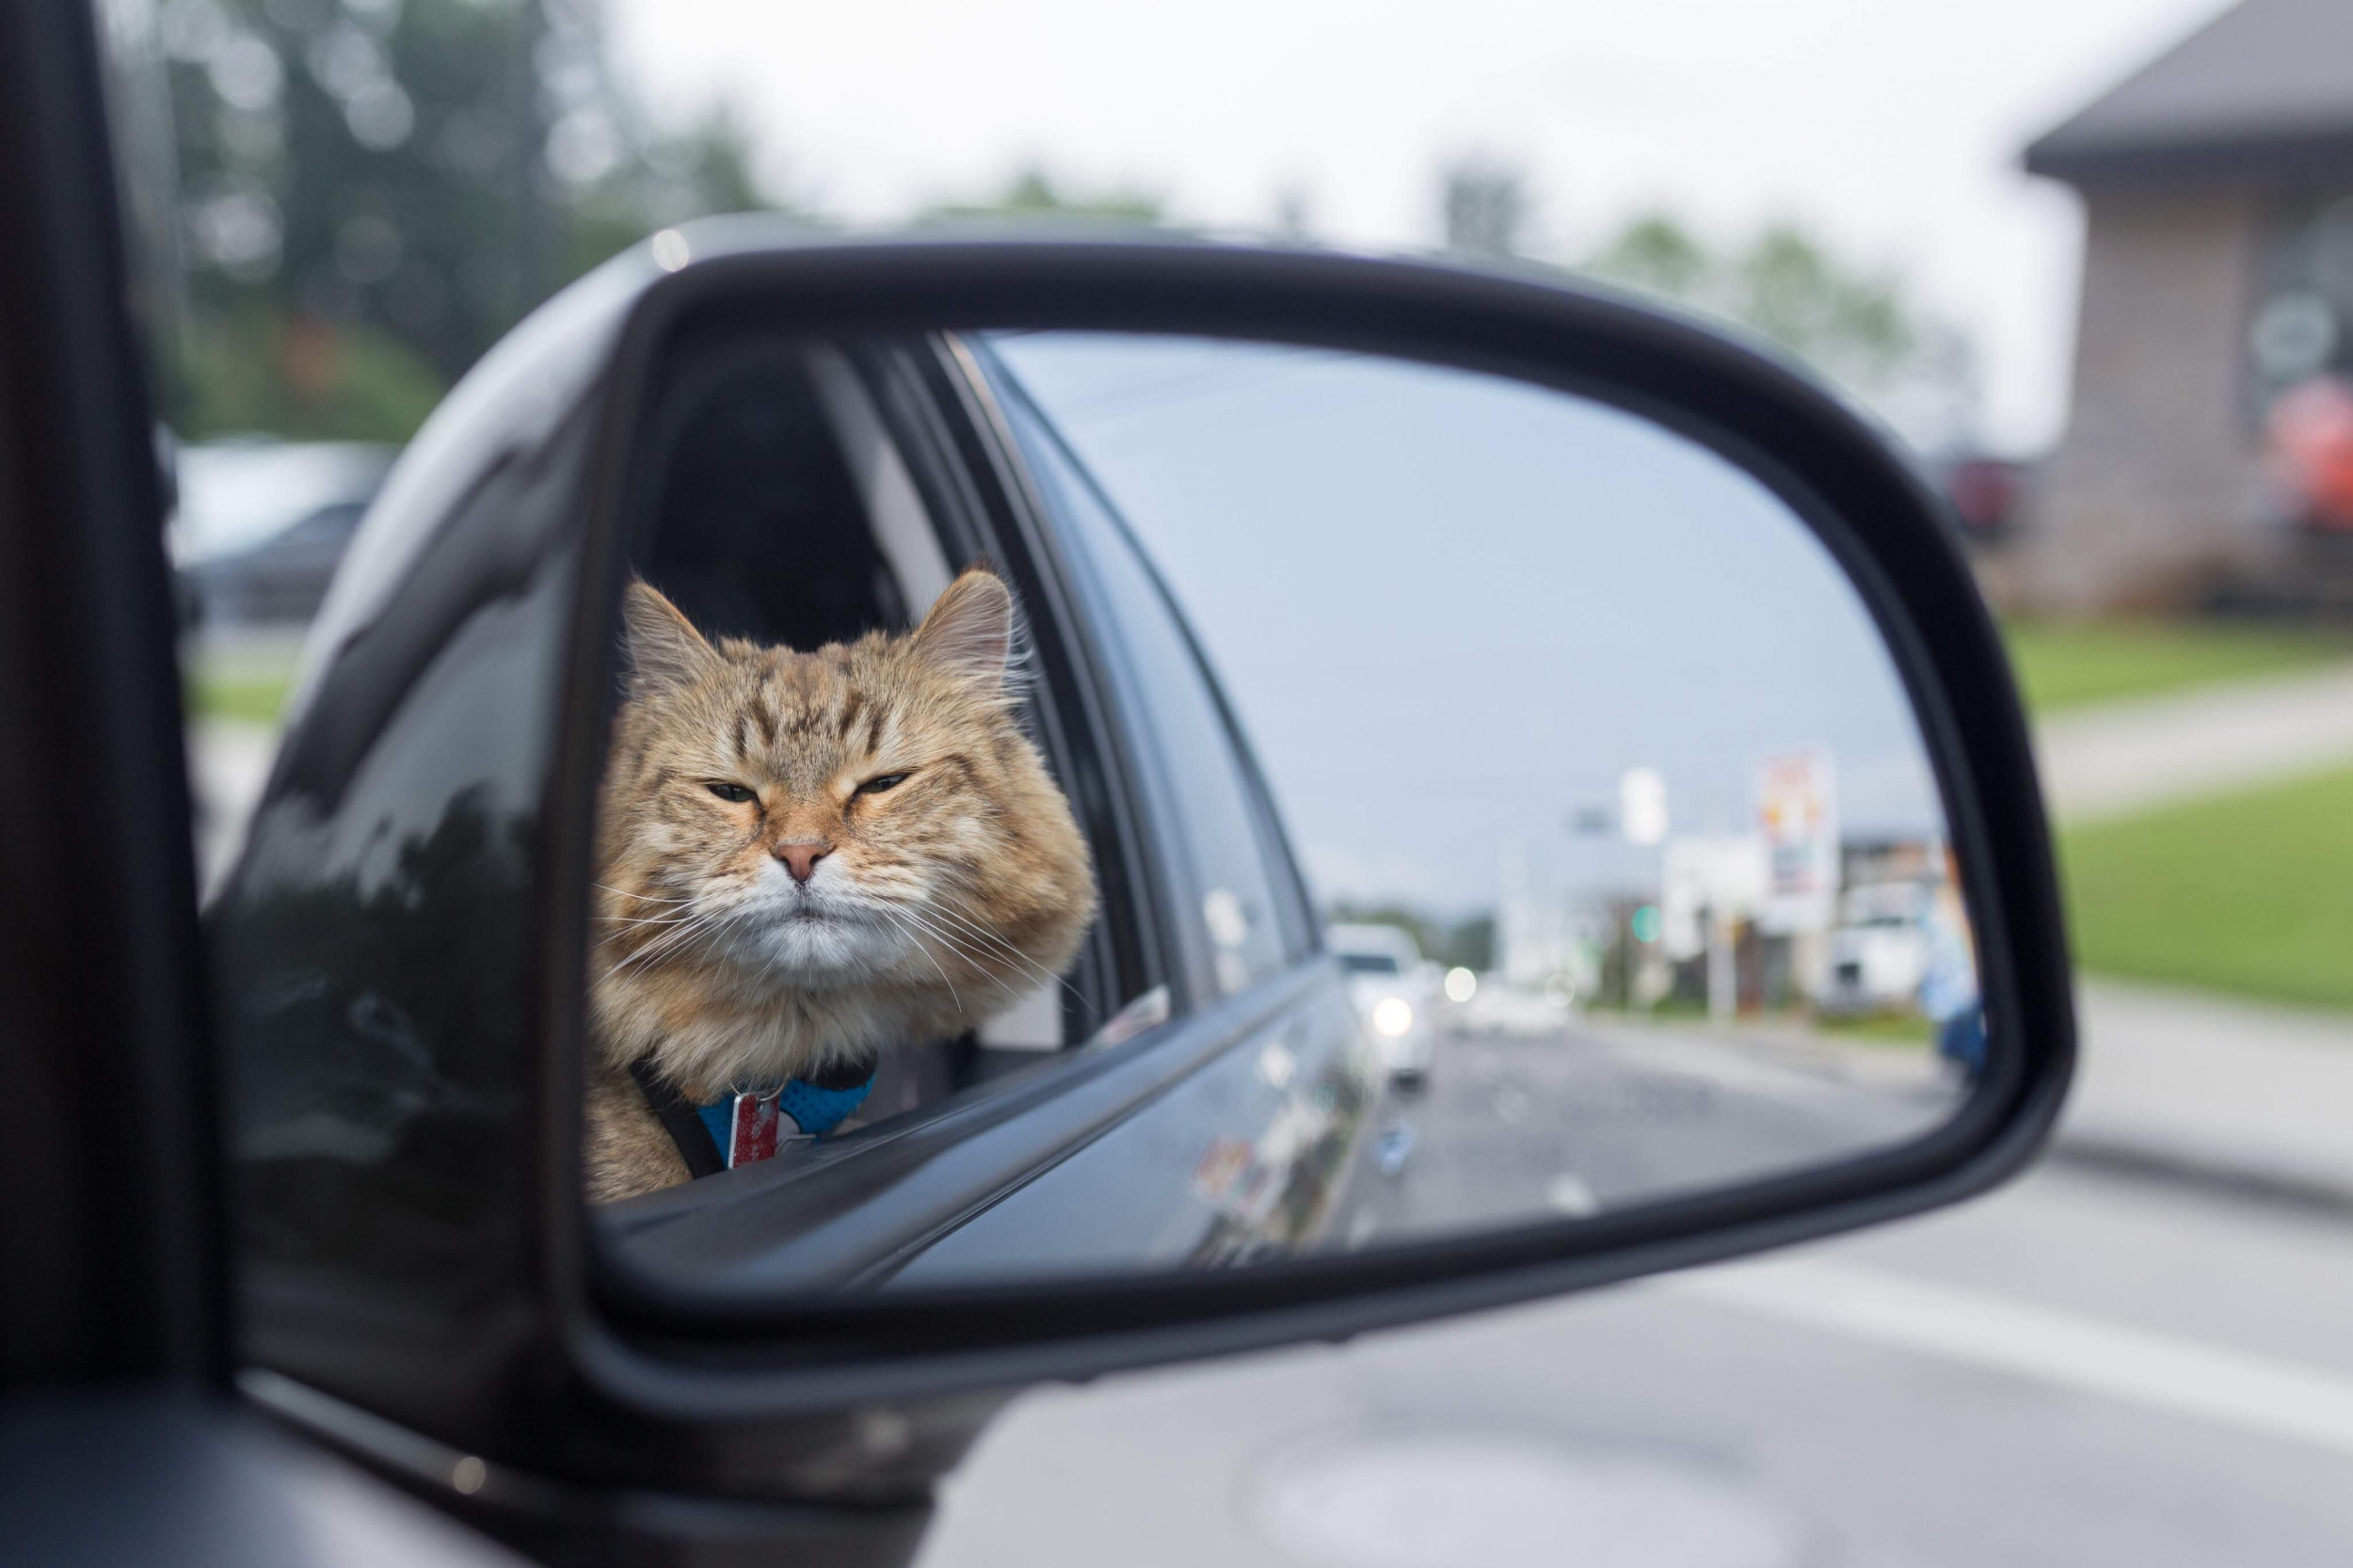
<point>867,814</point>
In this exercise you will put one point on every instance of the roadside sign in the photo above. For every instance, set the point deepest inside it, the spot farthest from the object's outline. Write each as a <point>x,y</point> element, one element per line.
<point>1797,816</point>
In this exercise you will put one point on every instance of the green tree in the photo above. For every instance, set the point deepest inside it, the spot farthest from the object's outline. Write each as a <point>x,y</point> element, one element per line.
<point>373,191</point>
<point>1484,207</point>
<point>1469,943</point>
<point>1858,328</point>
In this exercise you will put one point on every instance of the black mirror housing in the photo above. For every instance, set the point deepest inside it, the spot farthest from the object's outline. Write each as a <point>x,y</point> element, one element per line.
<point>427,829</point>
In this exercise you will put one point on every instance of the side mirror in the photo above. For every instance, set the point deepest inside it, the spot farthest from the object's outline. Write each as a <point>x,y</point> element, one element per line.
<point>768,929</point>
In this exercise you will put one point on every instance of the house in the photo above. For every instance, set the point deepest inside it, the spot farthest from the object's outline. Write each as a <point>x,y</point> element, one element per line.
<point>2218,273</point>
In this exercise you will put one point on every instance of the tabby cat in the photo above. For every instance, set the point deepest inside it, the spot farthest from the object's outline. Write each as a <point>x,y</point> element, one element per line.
<point>808,858</point>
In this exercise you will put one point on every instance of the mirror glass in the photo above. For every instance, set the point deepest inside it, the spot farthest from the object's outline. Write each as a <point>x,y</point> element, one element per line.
<point>1355,801</point>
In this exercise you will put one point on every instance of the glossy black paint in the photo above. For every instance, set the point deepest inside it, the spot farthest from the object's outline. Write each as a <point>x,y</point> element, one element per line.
<point>419,1252</point>
<point>371,946</point>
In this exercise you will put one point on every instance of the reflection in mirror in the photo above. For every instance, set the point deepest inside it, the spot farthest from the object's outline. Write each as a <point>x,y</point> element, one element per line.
<point>1414,803</point>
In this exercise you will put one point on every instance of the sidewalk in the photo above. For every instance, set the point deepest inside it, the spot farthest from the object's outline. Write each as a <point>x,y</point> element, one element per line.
<point>2127,757</point>
<point>2214,1090</point>
<point>2187,1085</point>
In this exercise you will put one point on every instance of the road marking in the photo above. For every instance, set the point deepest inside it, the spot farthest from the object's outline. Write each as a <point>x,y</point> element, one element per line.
<point>2279,1399</point>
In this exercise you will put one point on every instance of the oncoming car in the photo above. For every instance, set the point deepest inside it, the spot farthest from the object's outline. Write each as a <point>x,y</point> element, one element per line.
<point>1390,983</point>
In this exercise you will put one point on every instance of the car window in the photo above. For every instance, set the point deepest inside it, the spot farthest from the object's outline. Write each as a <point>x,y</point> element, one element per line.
<point>1233,901</point>
<point>1368,963</point>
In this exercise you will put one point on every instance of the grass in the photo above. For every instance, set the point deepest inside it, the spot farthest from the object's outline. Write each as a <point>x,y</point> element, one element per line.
<point>249,698</point>
<point>2065,665</point>
<point>2249,892</point>
<point>1878,1028</point>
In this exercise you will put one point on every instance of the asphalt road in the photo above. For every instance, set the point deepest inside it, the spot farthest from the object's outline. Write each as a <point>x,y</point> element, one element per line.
<point>2080,1370</point>
<point>1602,1115</point>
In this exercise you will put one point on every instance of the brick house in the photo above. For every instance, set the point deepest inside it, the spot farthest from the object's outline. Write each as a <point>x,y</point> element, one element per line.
<point>2217,272</point>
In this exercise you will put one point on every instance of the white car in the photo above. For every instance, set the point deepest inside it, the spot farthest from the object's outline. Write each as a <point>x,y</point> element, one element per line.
<point>1391,986</point>
<point>1499,1007</point>
<point>1879,954</point>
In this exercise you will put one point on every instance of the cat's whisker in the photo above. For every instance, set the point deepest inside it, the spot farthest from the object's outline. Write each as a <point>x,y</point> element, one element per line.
<point>670,940</point>
<point>943,973</point>
<point>979,958</point>
<point>991,938</point>
<point>649,898</point>
<point>983,955</point>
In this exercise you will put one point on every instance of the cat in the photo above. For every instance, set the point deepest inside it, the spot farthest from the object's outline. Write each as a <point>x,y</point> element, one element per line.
<point>804,859</point>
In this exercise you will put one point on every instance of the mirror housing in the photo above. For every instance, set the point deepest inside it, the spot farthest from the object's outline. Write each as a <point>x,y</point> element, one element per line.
<point>465,1308</point>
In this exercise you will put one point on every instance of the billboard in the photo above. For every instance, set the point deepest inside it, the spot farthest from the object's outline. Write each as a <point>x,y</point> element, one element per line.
<point>1797,815</point>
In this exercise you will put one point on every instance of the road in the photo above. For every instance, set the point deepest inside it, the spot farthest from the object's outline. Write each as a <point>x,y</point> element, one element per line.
<point>2077,1370</point>
<point>2081,1369</point>
<point>1606,1115</point>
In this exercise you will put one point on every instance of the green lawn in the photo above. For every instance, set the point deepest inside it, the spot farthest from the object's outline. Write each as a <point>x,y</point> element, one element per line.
<point>2071,664</point>
<point>2249,892</point>
<point>253,698</point>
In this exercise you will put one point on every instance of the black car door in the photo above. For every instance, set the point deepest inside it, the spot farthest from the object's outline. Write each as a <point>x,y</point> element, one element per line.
<point>1247,1154</point>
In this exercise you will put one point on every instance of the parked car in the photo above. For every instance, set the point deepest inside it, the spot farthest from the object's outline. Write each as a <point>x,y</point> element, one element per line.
<point>1879,951</point>
<point>1395,994</point>
<point>1510,1009</point>
<point>298,1266</point>
<point>262,524</point>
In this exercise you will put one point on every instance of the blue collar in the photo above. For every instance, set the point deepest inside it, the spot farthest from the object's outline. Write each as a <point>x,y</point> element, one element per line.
<point>748,1128</point>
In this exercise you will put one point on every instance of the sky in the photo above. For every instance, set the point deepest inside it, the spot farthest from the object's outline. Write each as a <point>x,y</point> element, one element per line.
<point>1453,610</point>
<point>1890,127</point>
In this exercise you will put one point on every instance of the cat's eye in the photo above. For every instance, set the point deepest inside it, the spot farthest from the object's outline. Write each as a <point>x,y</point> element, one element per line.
<point>735,792</point>
<point>878,784</point>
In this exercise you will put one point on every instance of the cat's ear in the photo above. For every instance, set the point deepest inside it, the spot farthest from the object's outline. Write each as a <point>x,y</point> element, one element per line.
<point>970,630</point>
<point>662,646</point>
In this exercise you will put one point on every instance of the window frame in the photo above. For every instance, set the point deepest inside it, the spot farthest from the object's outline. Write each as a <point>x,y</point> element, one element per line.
<point>740,1235</point>
<point>1297,932</point>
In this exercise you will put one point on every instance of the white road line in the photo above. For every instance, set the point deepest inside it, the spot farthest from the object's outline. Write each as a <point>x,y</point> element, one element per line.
<point>2278,1398</point>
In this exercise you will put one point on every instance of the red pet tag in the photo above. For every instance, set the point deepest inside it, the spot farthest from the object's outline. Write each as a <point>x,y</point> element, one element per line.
<point>754,1133</point>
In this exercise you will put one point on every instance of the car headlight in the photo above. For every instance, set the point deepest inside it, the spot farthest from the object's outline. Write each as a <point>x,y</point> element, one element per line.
<point>1393,1015</point>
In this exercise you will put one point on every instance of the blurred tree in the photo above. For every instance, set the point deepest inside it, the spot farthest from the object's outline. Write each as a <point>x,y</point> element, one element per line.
<point>1033,193</point>
<point>1469,943</point>
<point>1484,206</point>
<point>1858,328</point>
<point>373,191</point>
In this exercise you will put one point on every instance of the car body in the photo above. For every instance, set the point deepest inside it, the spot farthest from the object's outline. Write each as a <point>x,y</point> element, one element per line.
<point>259,1188</point>
<point>1395,994</point>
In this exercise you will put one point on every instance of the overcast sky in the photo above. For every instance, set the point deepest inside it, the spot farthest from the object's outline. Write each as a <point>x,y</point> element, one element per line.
<point>1453,610</point>
<point>1893,126</point>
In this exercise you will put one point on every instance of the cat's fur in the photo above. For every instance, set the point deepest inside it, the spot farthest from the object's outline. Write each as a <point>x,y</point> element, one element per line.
<point>937,902</point>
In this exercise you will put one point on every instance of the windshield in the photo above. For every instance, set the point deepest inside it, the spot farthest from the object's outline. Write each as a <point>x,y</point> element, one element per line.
<point>1368,963</point>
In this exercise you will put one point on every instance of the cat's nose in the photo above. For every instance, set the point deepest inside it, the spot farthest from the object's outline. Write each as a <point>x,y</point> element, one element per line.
<point>801,856</point>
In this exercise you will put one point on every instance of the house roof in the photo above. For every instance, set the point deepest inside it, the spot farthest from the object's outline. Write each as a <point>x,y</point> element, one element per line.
<point>2263,89</point>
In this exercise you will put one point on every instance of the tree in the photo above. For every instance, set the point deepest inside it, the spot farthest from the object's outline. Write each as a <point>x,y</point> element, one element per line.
<point>373,191</point>
<point>1484,206</point>
<point>1469,943</point>
<point>1859,328</point>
